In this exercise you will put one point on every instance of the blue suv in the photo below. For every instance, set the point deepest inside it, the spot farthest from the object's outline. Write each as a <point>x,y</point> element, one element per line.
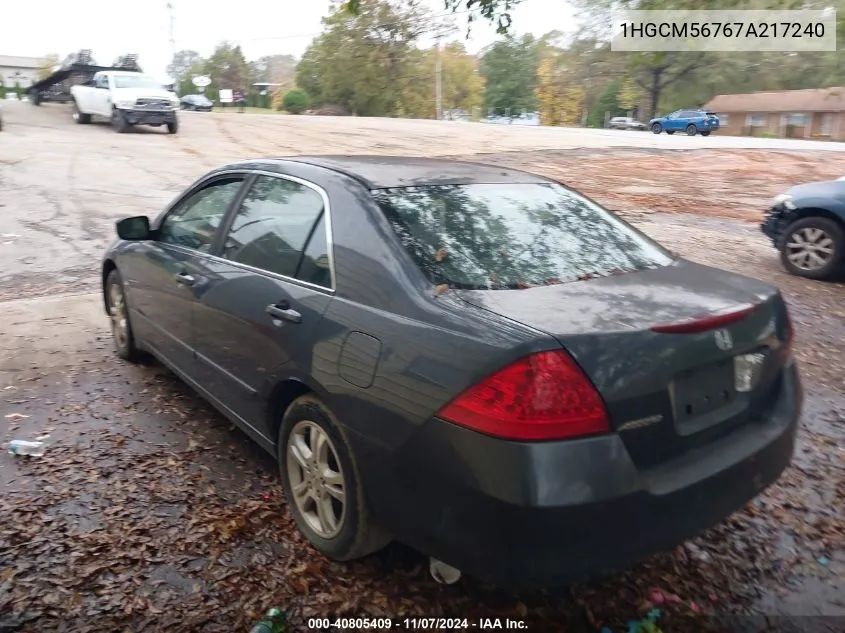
<point>690,121</point>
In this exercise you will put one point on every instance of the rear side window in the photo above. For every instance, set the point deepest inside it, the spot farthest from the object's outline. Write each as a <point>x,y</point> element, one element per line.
<point>274,225</point>
<point>500,236</point>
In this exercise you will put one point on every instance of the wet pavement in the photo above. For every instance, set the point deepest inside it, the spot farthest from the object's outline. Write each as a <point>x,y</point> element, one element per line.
<point>150,512</point>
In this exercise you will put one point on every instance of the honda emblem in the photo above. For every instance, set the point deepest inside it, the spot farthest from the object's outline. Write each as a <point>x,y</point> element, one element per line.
<point>724,341</point>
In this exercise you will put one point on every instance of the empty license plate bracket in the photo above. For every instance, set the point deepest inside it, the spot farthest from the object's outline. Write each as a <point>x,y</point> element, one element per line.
<point>701,391</point>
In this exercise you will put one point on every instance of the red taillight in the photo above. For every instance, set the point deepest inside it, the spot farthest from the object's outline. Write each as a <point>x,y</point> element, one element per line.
<point>544,396</point>
<point>707,322</point>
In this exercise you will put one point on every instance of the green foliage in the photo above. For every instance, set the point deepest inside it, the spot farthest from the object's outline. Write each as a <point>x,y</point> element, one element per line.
<point>364,62</point>
<point>509,68</point>
<point>608,103</point>
<point>295,101</point>
<point>496,11</point>
<point>228,69</point>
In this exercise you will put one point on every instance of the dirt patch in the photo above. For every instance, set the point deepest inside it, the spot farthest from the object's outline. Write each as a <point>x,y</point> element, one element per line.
<point>718,183</point>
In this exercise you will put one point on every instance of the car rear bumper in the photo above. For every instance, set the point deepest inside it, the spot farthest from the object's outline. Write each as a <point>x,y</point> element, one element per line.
<point>543,514</point>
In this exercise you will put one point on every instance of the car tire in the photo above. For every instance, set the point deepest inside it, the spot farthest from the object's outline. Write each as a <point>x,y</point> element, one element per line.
<point>806,230</point>
<point>173,126</point>
<point>691,130</point>
<point>121,327</point>
<point>656,128</point>
<point>706,133</point>
<point>80,117</point>
<point>353,533</point>
<point>119,122</point>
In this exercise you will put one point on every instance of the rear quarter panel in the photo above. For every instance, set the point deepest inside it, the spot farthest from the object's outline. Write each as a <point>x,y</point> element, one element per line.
<point>82,95</point>
<point>430,347</point>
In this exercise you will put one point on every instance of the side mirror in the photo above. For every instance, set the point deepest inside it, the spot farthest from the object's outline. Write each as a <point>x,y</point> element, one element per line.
<point>134,228</point>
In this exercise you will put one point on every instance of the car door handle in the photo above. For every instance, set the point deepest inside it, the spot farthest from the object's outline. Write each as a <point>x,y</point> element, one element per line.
<point>284,312</point>
<point>185,279</point>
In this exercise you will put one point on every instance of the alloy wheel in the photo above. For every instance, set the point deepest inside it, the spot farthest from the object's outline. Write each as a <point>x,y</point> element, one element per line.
<point>117,315</point>
<point>810,248</point>
<point>316,478</point>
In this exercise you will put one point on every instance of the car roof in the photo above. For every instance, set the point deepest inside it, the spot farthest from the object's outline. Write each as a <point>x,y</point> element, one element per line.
<point>382,172</point>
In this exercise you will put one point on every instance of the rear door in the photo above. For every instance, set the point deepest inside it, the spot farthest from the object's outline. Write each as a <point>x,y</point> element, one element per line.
<point>164,274</point>
<point>264,292</point>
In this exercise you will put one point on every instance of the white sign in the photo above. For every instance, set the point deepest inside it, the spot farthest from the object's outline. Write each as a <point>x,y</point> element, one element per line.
<point>201,81</point>
<point>226,96</point>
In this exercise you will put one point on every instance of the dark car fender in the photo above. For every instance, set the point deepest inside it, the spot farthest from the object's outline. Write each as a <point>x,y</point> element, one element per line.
<point>822,206</point>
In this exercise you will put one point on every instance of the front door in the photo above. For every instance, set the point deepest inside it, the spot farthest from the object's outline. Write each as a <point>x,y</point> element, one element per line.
<point>266,291</point>
<point>164,274</point>
<point>672,121</point>
<point>101,96</point>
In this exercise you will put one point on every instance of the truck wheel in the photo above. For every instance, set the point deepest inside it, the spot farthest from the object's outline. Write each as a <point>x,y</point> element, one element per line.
<point>80,117</point>
<point>173,126</point>
<point>118,121</point>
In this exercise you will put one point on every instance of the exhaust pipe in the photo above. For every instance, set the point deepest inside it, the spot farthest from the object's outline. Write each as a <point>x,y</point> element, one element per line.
<point>443,573</point>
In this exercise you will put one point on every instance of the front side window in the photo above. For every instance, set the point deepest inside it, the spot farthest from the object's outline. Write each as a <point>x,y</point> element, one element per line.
<point>502,236</point>
<point>194,222</point>
<point>275,225</point>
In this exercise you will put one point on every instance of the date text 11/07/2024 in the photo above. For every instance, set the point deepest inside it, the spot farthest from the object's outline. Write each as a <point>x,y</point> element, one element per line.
<point>415,624</point>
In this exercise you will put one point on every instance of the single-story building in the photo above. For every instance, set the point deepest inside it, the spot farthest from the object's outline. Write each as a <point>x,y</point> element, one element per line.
<point>818,113</point>
<point>22,71</point>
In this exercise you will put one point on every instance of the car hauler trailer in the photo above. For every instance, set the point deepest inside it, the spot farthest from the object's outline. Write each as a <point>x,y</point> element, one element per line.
<point>56,87</point>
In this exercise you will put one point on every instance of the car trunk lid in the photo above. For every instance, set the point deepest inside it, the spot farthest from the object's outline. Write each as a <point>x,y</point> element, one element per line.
<point>681,354</point>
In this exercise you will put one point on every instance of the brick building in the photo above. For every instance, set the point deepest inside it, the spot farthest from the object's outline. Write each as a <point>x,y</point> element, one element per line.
<point>817,113</point>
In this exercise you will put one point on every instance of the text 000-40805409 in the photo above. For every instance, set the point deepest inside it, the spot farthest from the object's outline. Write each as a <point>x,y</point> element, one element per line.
<point>720,31</point>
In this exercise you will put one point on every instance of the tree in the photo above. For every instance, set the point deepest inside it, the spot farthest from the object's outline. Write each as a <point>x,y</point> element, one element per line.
<point>560,94</point>
<point>127,62</point>
<point>295,101</point>
<point>509,68</point>
<point>497,11</point>
<point>364,62</point>
<point>182,65</point>
<point>274,69</point>
<point>46,66</point>
<point>461,83</point>
<point>227,68</point>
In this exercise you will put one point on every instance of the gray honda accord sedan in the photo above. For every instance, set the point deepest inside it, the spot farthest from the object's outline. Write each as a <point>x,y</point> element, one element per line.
<point>476,361</point>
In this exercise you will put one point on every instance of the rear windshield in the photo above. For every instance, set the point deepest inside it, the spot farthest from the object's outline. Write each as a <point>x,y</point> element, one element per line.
<point>500,236</point>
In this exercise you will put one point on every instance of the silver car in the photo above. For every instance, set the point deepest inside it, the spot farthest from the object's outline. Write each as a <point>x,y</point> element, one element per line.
<point>625,123</point>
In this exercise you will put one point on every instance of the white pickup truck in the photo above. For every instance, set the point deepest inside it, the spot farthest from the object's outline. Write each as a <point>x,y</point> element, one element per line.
<point>127,99</point>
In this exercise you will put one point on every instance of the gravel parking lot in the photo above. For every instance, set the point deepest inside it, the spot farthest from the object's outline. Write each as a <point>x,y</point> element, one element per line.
<point>150,511</point>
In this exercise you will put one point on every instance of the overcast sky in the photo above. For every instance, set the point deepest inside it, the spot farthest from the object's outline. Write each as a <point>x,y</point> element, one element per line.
<point>34,28</point>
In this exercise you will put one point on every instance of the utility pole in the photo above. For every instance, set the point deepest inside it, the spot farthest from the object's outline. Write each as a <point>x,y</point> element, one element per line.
<point>438,81</point>
<point>172,38</point>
